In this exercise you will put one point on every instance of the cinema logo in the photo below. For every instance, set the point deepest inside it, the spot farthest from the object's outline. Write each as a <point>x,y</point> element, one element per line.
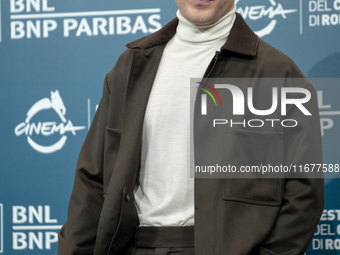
<point>34,228</point>
<point>45,129</point>
<point>258,12</point>
<point>45,21</point>
<point>238,100</point>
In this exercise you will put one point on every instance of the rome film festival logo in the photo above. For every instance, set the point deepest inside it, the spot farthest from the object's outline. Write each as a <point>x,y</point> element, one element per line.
<point>47,128</point>
<point>261,11</point>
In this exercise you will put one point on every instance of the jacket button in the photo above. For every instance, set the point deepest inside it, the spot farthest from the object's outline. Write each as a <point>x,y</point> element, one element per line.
<point>127,197</point>
<point>114,247</point>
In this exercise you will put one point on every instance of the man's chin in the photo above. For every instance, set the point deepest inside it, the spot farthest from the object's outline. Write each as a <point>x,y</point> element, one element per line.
<point>201,19</point>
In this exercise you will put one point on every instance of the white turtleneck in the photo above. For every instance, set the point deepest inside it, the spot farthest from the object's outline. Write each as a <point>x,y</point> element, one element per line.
<point>165,196</point>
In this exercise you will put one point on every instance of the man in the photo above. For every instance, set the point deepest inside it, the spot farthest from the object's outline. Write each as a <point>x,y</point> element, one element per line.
<point>133,193</point>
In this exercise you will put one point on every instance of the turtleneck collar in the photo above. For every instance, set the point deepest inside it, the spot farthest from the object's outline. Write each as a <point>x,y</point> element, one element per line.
<point>215,34</point>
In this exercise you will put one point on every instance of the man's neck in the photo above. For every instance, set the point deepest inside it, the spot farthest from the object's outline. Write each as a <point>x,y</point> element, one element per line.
<point>191,34</point>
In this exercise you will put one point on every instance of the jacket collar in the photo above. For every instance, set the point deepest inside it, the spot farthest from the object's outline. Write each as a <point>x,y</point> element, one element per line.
<point>242,39</point>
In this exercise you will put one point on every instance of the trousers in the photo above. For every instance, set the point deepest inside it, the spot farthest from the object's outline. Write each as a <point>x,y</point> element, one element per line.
<point>163,241</point>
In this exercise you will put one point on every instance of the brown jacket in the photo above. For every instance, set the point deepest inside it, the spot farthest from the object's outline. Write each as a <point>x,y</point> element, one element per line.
<point>232,216</point>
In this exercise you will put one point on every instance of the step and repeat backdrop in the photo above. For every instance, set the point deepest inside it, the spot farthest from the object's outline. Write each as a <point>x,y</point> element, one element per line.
<point>54,55</point>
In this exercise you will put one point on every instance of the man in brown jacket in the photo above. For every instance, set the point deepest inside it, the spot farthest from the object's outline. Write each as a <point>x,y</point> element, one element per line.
<point>133,193</point>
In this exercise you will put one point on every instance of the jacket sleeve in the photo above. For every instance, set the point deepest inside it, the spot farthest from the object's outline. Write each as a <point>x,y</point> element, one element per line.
<point>78,234</point>
<point>303,197</point>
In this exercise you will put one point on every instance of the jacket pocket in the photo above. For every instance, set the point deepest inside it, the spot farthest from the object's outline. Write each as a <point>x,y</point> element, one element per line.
<point>112,143</point>
<point>254,150</point>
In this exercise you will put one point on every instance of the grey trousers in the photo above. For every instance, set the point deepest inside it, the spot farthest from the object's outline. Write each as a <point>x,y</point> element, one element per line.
<point>163,241</point>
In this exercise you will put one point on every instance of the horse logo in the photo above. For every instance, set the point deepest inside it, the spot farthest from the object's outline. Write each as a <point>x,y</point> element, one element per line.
<point>55,103</point>
<point>47,128</point>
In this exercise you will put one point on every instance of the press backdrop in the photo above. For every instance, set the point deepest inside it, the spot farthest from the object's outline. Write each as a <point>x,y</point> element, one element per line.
<point>54,55</point>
